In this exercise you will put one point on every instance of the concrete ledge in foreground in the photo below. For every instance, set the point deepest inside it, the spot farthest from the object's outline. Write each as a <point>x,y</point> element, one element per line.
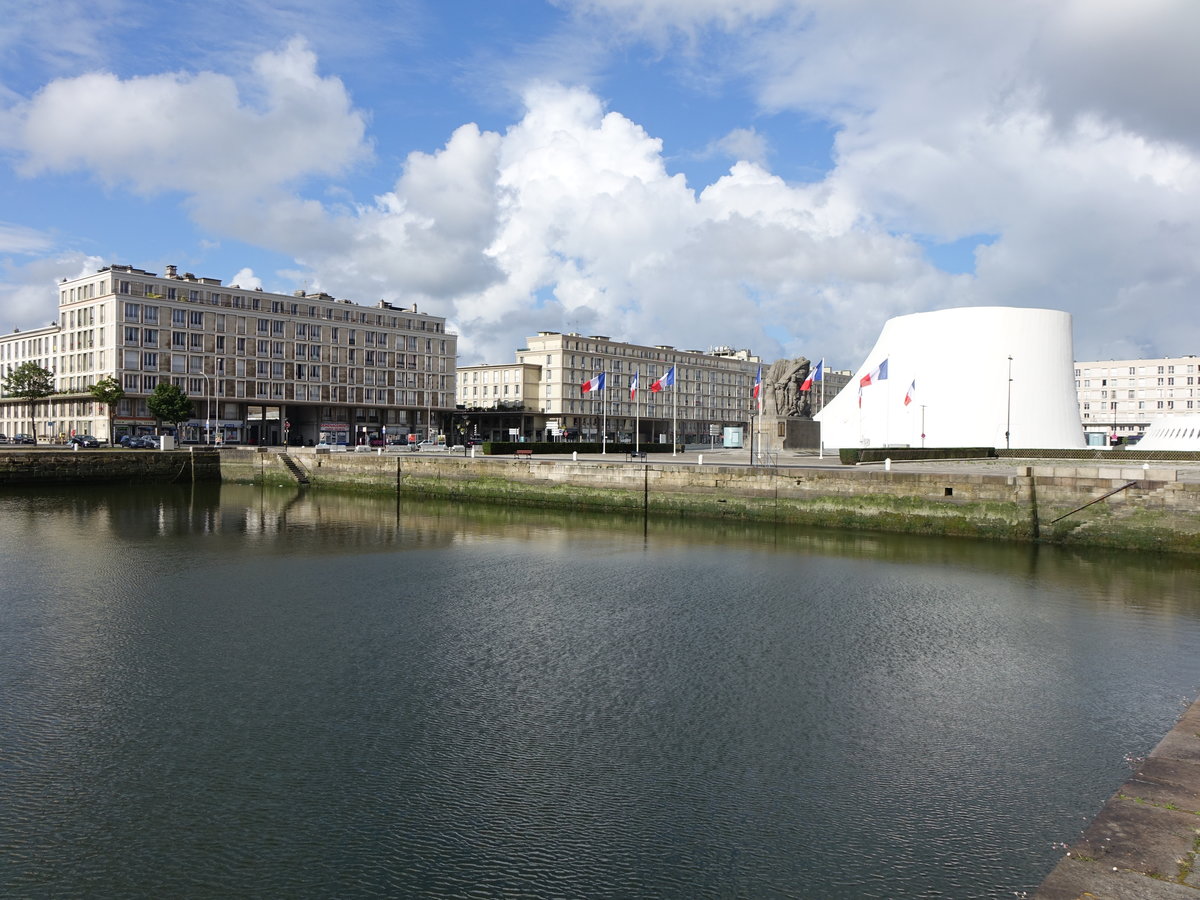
<point>1144,843</point>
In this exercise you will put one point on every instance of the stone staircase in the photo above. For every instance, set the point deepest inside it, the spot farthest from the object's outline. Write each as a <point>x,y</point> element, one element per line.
<point>293,467</point>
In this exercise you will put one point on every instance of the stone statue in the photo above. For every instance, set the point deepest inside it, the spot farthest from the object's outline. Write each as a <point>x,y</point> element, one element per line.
<point>782,384</point>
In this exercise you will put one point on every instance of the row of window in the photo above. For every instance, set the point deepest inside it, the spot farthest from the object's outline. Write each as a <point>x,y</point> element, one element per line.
<point>343,312</point>
<point>1087,382</point>
<point>1142,370</point>
<point>1158,404</point>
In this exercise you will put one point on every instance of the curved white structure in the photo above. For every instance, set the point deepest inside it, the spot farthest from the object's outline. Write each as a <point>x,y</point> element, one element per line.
<point>1172,433</point>
<point>981,376</point>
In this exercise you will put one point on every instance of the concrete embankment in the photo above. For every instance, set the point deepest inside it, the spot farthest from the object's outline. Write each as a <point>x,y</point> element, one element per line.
<point>1144,843</point>
<point>1130,507</point>
<point>31,467</point>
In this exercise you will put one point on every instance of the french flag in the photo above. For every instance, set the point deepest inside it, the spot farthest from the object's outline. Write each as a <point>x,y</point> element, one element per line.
<point>912,392</point>
<point>633,384</point>
<point>757,384</point>
<point>594,384</point>
<point>817,374</point>
<point>879,373</point>
<point>666,381</point>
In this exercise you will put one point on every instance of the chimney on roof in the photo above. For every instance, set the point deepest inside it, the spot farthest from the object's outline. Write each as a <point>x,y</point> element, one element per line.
<point>171,270</point>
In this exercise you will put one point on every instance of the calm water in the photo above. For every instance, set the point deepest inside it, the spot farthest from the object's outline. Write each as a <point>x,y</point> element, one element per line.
<point>244,693</point>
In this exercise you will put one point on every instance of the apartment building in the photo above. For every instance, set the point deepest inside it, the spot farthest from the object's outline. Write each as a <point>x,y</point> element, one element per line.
<point>540,396</point>
<point>1118,398</point>
<point>260,367</point>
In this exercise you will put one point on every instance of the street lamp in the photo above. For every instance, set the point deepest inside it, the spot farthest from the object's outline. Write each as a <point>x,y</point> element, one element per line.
<point>207,407</point>
<point>1008,421</point>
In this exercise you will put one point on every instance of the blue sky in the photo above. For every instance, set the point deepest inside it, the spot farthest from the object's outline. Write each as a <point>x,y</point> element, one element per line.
<point>776,174</point>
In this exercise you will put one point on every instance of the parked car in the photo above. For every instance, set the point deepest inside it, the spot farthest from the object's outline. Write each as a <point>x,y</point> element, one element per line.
<point>139,442</point>
<point>84,440</point>
<point>24,439</point>
<point>3,438</point>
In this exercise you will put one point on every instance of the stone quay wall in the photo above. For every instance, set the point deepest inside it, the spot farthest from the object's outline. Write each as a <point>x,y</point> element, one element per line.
<point>1150,509</point>
<point>31,467</point>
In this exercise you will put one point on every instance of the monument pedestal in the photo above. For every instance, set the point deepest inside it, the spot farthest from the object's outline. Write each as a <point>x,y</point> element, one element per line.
<point>780,433</point>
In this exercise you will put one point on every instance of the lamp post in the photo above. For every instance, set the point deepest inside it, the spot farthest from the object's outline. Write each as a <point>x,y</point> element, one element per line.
<point>922,425</point>
<point>1008,421</point>
<point>207,407</point>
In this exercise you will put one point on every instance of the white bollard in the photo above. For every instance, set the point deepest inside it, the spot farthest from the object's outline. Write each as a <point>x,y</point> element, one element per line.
<point>700,459</point>
<point>574,456</point>
<point>887,464</point>
<point>472,451</point>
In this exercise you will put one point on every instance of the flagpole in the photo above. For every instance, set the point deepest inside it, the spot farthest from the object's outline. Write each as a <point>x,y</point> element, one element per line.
<point>758,421</point>
<point>637,417</point>
<point>604,419</point>
<point>674,410</point>
<point>821,441</point>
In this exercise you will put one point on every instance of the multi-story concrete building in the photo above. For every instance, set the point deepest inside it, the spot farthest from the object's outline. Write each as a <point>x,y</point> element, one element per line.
<point>1119,397</point>
<point>260,367</point>
<point>540,396</point>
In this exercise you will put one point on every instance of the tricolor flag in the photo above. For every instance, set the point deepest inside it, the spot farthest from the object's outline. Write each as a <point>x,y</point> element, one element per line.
<point>633,386</point>
<point>879,373</point>
<point>757,384</point>
<point>664,382</point>
<point>912,392</point>
<point>816,374</point>
<point>594,384</point>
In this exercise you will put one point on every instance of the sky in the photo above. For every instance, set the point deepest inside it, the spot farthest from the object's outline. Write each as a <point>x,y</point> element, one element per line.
<point>776,175</point>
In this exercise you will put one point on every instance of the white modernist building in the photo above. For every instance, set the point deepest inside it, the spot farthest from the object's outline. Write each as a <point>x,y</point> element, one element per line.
<point>982,376</point>
<point>1181,432</point>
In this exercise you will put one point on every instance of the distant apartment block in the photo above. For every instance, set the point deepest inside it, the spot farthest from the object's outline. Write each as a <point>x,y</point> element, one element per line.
<point>260,367</point>
<point>540,396</point>
<point>1119,397</point>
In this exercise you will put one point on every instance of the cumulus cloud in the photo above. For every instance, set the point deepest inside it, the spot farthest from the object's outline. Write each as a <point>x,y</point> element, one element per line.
<point>28,289</point>
<point>195,133</point>
<point>740,144</point>
<point>1068,132</point>
<point>951,121</point>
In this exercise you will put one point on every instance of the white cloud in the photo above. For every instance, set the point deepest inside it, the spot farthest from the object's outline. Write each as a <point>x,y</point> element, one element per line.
<point>21,240</point>
<point>1070,131</point>
<point>951,120</point>
<point>740,145</point>
<point>195,133</point>
<point>245,278</point>
<point>30,296</point>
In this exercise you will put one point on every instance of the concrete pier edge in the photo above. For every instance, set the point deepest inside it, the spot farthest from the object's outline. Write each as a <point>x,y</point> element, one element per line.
<point>1144,843</point>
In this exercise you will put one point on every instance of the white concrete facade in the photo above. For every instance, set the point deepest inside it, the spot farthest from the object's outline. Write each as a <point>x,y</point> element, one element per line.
<point>540,397</point>
<point>1178,432</point>
<point>260,367</point>
<point>1120,398</point>
<point>973,376</point>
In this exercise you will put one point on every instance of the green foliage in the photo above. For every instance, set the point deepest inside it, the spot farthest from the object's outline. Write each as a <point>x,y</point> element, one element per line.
<point>851,456</point>
<point>109,392</point>
<point>169,403</point>
<point>547,448</point>
<point>29,381</point>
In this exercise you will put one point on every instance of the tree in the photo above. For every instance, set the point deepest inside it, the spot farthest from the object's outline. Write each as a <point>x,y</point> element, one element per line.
<point>29,382</point>
<point>169,403</point>
<point>109,392</point>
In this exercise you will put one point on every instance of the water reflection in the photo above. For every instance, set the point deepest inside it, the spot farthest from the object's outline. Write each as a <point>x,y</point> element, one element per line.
<point>237,691</point>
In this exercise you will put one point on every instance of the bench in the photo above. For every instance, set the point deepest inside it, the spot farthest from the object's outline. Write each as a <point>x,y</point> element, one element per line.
<point>635,454</point>
<point>517,454</point>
